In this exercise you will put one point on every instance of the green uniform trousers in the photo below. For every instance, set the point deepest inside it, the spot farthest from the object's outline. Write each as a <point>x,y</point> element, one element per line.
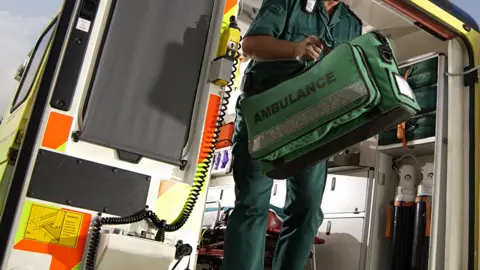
<point>246,229</point>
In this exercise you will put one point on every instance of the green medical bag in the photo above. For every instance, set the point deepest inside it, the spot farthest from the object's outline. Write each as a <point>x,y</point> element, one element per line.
<point>421,74</point>
<point>416,128</point>
<point>352,94</point>
<point>426,98</point>
<point>422,78</point>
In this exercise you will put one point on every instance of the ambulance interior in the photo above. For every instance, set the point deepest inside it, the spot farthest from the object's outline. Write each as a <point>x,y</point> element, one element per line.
<point>362,182</point>
<point>373,189</point>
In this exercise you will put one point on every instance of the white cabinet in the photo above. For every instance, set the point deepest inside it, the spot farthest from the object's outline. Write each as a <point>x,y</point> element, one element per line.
<point>345,205</point>
<point>279,193</point>
<point>345,194</point>
<point>342,195</point>
<point>225,194</point>
<point>343,244</point>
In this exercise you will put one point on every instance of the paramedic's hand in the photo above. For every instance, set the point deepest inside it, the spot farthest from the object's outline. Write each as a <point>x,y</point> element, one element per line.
<point>309,49</point>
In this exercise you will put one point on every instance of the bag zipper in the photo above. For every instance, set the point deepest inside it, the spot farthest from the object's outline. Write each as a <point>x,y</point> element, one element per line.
<point>367,68</point>
<point>366,64</point>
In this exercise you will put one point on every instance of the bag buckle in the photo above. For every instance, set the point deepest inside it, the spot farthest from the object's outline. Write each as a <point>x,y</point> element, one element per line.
<point>386,53</point>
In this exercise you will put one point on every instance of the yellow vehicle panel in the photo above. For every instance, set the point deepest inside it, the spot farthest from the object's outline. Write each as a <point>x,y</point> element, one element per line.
<point>16,117</point>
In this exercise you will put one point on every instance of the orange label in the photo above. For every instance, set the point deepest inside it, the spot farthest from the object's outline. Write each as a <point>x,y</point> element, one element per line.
<point>59,232</point>
<point>57,131</point>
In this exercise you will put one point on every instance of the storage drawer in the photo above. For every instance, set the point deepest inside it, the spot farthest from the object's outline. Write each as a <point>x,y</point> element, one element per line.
<point>279,193</point>
<point>343,244</point>
<point>344,194</point>
<point>225,194</point>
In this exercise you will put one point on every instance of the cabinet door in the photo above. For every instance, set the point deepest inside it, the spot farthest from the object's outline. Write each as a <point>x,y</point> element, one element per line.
<point>342,248</point>
<point>279,193</point>
<point>228,196</point>
<point>344,194</point>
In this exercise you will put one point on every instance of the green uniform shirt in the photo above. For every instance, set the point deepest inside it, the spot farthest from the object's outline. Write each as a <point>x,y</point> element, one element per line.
<point>286,20</point>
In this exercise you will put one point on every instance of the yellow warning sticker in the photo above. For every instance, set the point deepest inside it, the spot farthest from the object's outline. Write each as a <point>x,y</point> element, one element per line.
<point>55,226</point>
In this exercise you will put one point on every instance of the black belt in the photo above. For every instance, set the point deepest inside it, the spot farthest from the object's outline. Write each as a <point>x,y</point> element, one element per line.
<point>249,87</point>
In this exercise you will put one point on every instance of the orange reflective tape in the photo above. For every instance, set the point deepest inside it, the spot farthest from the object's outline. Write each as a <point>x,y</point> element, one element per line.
<point>229,5</point>
<point>401,133</point>
<point>209,127</point>
<point>404,204</point>
<point>57,131</point>
<point>408,204</point>
<point>388,227</point>
<point>422,199</point>
<point>428,217</point>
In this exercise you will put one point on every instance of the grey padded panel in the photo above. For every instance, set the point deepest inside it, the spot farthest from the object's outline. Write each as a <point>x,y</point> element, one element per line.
<point>142,96</point>
<point>85,184</point>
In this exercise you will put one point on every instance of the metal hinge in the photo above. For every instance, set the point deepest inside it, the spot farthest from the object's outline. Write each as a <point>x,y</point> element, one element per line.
<point>12,156</point>
<point>19,137</point>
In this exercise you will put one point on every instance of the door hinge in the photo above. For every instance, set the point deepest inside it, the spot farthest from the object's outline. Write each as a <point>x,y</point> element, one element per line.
<point>12,156</point>
<point>19,137</point>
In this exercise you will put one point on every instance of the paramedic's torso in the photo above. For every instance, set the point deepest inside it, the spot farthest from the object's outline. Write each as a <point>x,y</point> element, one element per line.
<point>286,20</point>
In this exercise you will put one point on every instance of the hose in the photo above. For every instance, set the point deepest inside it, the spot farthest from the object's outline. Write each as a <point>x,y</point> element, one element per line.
<point>99,221</point>
<point>207,151</point>
<point>201,174</point>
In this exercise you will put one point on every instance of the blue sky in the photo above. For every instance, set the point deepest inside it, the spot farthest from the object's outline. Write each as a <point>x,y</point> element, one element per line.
<point>472,7</point>
<point>21,21</point>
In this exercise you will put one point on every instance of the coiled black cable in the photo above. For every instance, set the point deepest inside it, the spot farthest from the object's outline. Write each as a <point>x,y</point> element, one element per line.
<point>202,170</point>
<point>199,181</point>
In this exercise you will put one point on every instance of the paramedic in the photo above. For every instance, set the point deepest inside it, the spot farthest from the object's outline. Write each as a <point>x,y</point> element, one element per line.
<point>284,38</point>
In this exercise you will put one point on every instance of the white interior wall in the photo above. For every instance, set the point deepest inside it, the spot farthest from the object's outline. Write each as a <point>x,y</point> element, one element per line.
<point>417,43</point>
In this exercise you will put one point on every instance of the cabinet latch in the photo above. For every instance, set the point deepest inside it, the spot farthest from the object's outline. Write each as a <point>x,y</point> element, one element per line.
<point>329,227</point>
<point>334,183</point>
